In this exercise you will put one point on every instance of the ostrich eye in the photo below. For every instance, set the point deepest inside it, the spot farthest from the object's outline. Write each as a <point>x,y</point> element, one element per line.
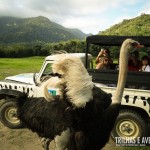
<point>134,44</point>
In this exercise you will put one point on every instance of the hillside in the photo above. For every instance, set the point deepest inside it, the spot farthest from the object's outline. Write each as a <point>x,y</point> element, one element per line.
<point>14,30</point>
<point>136,26</point>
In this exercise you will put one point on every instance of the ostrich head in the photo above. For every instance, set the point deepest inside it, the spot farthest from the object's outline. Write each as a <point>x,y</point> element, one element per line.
<point>127,46</point>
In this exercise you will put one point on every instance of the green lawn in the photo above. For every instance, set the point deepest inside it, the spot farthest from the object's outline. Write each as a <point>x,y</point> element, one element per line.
<point>13,66</point>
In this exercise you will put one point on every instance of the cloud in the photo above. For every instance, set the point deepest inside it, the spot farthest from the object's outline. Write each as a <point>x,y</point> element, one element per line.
<point>87,15</point>
<point>146,8</point>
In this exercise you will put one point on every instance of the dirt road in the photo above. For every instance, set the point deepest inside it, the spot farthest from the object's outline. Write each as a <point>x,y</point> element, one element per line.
<point>24,139</point>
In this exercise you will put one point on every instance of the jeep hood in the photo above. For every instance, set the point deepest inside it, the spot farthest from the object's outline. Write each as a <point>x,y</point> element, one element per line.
<point>23,78</point>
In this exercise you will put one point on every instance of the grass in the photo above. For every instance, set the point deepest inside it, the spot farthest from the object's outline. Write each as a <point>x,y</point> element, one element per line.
<point>13,66</point>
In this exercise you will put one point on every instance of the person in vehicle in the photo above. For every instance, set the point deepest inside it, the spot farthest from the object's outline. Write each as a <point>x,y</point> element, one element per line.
<point>145,67</point>
<point>101,59</point>
<point>134,62</point>
<point>145,64</point>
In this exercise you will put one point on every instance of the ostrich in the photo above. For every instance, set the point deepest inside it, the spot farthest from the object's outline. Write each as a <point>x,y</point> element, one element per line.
<point>95,117</point>
<point>85,117</point>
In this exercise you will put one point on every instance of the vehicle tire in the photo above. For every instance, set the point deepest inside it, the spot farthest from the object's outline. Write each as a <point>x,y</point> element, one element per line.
<point>8,115</point>
<point>130,125</point>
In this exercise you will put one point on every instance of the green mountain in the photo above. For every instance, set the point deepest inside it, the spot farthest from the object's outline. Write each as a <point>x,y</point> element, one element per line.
<point>136,26</point>
<point>14,30</point>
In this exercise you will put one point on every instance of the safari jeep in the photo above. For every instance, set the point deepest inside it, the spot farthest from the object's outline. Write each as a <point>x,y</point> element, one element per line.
<point>134,118</point>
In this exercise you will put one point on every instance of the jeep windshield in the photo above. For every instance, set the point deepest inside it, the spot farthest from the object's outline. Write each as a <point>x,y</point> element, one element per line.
<point>48,69</point>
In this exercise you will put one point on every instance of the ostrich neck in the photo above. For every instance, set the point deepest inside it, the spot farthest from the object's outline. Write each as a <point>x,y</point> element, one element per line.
<point>123,68</point>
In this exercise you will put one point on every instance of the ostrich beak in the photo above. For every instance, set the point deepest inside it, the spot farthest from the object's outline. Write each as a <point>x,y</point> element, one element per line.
<point>138,45</point>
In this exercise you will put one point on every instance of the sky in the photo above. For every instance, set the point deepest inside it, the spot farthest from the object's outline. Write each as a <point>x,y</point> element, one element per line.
<point>90,16</point>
